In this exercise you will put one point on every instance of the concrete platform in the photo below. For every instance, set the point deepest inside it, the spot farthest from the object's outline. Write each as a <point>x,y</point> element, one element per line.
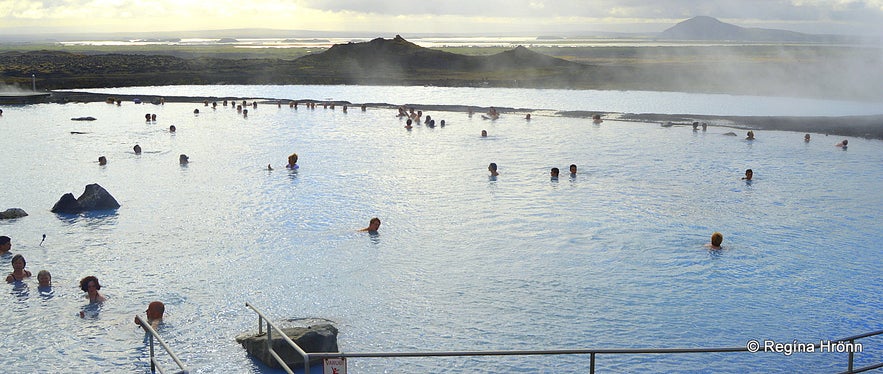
<point>24,97</point>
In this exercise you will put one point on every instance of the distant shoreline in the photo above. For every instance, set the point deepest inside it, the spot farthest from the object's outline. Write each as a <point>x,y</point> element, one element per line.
<point>869,127</point>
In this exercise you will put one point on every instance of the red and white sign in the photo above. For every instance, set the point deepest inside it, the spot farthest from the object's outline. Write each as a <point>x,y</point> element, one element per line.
<point>335,365</point>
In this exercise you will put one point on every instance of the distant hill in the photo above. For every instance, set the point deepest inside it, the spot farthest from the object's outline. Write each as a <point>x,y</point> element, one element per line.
<point>399,55</point>
<point>709,28</point>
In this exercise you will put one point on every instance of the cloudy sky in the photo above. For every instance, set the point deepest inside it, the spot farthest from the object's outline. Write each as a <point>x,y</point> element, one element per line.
<point>484,17</point>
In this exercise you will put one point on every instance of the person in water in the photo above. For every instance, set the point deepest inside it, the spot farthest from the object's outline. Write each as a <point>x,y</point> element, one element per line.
<point>18,273</point>
<point>44,279</point>
<point>806,138</point>
<point>373,225</point>
<point>716,240</point>
<point>154,312</point>
<point>554,173</point>
<point>102,160</point>
<point>183,159</point>
<point>90,286</point>
<point>292,161</point>
<point>5,244</point>
<point>750,135</point>
<point>748,175</point>
<point>484,133</point>
<point>137,149</point>
<point>842,144</point>
<point>493,169</point>
<point>572,170</point>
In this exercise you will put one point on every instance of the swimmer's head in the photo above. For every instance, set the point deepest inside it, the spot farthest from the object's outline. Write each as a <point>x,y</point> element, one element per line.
<point>845,142</point>
<point>483,133</point>
<point>373,224</point>
<point>492,166</point>
<point>716,239</point>
<point>44,278</point>
<point>19,259</point>
<point>292,159</point>
<point>84,283</point>
<point>155,310</point>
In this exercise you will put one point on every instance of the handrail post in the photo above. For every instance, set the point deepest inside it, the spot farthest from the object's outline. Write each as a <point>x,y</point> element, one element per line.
<point>260,324</point>
<point>851,356</point>
<point>269,338</point>
<point>592,363</point>
<point>153,335</point>
<point>152,358</point>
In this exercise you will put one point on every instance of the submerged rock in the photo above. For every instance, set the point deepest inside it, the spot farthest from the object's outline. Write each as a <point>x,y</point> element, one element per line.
<point>94,197</point>
<point>316,338</point>
<point>13,213</point>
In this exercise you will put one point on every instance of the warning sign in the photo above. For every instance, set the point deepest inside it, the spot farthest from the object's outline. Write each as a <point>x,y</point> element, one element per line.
<point>335,365</point>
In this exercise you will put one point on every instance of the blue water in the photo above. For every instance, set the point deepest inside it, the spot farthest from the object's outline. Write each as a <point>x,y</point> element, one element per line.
<point>611,258</point>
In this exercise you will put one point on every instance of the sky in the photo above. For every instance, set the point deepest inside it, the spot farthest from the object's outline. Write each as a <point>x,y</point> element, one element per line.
<point>474,17</point>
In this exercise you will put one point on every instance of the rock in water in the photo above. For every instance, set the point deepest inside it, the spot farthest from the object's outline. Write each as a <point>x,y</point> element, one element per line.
<point>13,213</point>
<point>316,338</point>
<point>67,204</point>
<point>96,197</point>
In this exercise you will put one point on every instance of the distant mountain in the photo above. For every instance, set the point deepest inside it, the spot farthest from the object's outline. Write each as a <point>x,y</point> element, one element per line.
<point>380,56</point>
<point>709,28</point>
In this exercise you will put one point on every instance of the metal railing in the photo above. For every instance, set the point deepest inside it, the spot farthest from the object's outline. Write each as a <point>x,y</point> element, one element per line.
<point>591,352</point>
<point>154,365</point>
<point>270,328</point>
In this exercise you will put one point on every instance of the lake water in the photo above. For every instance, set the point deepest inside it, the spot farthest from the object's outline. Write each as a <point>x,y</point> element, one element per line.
<point>612,258</point>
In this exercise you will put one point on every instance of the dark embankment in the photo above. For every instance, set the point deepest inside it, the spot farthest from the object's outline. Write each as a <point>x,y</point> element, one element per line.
<point>819,71</point>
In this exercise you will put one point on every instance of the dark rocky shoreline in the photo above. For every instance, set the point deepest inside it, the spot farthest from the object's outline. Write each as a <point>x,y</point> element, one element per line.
<point>869,127</point>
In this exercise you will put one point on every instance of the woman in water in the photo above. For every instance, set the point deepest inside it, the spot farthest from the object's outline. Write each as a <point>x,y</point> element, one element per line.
<point>18,273</point>
<point>91,286</point>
